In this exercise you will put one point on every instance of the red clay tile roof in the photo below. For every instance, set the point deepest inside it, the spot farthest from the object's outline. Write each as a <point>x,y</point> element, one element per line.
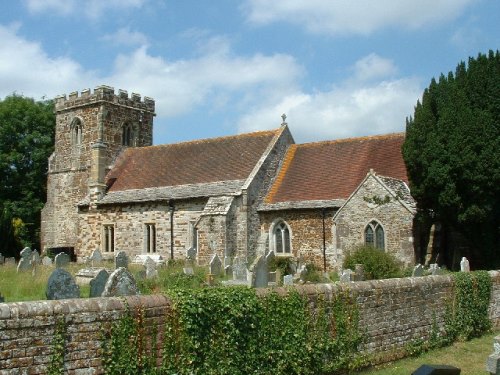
<point>334,169</point>
<point>201,161</point>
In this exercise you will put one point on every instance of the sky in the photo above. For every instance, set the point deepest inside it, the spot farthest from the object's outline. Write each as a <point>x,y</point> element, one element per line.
<point>336,68</point>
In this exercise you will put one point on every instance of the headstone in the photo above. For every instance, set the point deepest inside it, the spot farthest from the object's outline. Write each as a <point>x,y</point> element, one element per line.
<point>270,258</point>
<point>239,270</point>
<point>61,260</point>
<point>61,285</point>
<point>418,271</point>
<point>191,253</point>
<point>302,272</point>
<point>46,261</point>
<point>215,265</point>
<point>288,280</point>
<point>2,259</point>
<point>98,283</point>
<point>25,261</point>
<point>346,276</point>
<point>2,299</point>
<point>120,283</point>
<point>121,259</point>
<point>359,272</point>
<point>150,268</point>
<point>228,271</point>
<point>188,271</point>
<point>435,269</point>
<point>95,258</point>
<point>260,273</point>
<point>464,265</point>
<point>493,361</point>
<point>11,261</point>
<point>271,277</point>
<point>35,258</point>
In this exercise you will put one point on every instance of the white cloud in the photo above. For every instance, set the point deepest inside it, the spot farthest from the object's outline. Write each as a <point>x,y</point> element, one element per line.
<point>372,67</point>
<point>355,108</point>
<point>127,37</point>
<point>90,8</point>
<point>338,17</point>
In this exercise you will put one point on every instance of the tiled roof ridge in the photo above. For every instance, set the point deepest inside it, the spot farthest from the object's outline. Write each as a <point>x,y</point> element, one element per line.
<point>354,139</point>
<point>215,139</point>
<point>282,173</point>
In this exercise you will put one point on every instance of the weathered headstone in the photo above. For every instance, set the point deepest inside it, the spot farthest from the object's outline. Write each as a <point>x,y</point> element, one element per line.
<point>25,260</point>
<point>98,283</point>
<point>95,258</point>
<point>288,280</point>
<point>418,271</point>
<point>359,272</point>
<point>260,273</point>
<point>493,361</point>
<point>46,261</point>
<point>2,259</point>
<point>121,259</point>
<point>435,269</point>
<point>228,271</point>
<point>61,285</point>
<point>35,258</point>
<point>347,276</point>
<point>270,258</point>
<point>61,260</point>
<point>150,268</point>
<point>464,265</point>
<point>191,253</point>
<point>302,272</point>
<point>188,271</point>
<point>215,265</point>
<point>239,270</point>
<point>11,261</point>
<point>120,283</point>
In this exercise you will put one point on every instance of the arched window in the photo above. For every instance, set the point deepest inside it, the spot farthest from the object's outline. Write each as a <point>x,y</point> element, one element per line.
<point>76,132</point>
<point>127,135</point>
<point>374,235</point>
<point>281,238</point>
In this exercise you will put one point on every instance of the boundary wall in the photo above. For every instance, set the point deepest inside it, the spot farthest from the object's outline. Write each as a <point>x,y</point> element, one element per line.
<point>393,312</point>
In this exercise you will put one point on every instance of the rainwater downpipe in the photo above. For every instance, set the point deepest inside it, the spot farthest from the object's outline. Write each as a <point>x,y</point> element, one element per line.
<point>323,215</point>
<point>171,206</point>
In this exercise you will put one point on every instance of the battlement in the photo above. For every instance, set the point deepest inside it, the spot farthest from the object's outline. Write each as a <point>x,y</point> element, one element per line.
<point>103,94</point>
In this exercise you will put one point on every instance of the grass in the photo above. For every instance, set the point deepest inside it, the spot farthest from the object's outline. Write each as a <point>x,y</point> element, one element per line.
<point>469,356</point>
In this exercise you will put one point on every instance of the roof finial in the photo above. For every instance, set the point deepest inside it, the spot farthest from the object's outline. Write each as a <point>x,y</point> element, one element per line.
<point>283,116</point>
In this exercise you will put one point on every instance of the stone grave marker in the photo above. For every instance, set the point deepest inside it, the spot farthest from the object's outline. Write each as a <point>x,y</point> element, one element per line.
<point>95,258</point>
<point>435,269</point>
<point>215,266</point>
<point>302,273</point>
<point>347,276</point>
<point>239,270</point>
<point>98,283</point>
<point>120,283</point>
<point>359,272</point>
<point>228,271</point>
<point>260,273</point>
<point>270,257</point>
<point>61,260</point>
<point>288,280</point>
<point>46,261</point>
<point>61,285</point>
<point>464,265</point>
<point>418,271</point>
<point>2,259</point>
<point>35,258</point>
<point>188,271</point>
<point>493,361</point>
<point>11,261</point>
<point>191,253</point>
<point>121,259</point>
<point>25,261</point>
<point>150,268</point>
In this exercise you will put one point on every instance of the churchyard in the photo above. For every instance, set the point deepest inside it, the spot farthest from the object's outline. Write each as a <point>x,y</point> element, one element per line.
<point>209,313</point>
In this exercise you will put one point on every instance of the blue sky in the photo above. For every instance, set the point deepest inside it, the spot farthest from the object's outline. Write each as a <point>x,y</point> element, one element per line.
<point>337,68</point>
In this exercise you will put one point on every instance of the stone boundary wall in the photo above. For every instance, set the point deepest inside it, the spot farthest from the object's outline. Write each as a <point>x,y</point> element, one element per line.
<point>393,313</point>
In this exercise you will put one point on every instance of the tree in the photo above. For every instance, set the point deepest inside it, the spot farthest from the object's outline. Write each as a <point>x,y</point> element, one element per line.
<point>452,154</point>
<point>26,142</point>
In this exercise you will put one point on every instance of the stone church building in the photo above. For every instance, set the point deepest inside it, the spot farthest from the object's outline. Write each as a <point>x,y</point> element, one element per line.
<point>108,187</point>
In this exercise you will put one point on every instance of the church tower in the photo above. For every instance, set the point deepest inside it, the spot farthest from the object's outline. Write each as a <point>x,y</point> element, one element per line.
<point>91,131</point>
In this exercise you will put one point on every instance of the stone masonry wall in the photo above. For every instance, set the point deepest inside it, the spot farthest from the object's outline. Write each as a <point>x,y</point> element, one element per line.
<point>396,220</point>
<point>392,314</point>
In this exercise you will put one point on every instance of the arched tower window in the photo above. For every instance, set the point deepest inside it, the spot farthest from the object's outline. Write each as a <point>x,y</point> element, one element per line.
<point>374,235</point>
<point>281,238</point>
<point>76,132</point>
<point>128,138</point>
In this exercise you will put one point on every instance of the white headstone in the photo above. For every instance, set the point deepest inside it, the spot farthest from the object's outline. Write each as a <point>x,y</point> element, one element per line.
<point>347,276</point>
<point>46,261</point>
<point>150,268</point>
<point>61,285</point>
<point>188,271</point>
<point>464,265</point>
<point>288,280</point>
<point>120,283</point>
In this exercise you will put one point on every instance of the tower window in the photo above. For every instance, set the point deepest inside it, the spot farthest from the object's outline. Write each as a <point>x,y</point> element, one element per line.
<point>109,238</point>
<point>150,238</point>
<point>374,235</point>
<point>128,135</point>
<point>76,132</point>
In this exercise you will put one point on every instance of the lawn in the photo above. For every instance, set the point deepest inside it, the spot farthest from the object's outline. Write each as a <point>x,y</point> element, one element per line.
<point>469,356</point>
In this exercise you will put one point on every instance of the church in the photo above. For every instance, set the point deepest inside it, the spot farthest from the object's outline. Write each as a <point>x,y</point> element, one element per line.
<point>240,196</point>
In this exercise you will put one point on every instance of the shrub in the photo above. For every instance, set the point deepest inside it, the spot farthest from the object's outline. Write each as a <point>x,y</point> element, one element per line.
<point>377,264</point>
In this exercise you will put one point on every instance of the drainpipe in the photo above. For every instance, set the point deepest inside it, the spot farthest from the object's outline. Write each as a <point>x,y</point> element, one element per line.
<point>323,214</point>
<point>171,209</point>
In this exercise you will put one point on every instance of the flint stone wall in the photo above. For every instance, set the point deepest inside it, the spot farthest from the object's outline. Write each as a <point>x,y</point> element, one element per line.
<point>392,312</point>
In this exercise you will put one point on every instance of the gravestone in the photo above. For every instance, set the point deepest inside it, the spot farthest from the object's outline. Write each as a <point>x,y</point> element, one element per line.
<point>347,276</point>
<point>464,265</point>
<point>46,261</point>
<point>435,269</point>
<point>25,261</point>
<point>191,253</point>
<point>493,361</point>
<point>215,266</point>
<point>98,283</point>
<point>288,280</point>
<point>188,271</point>
<point>120,283</point>
<point>418,271</point>
<point>239,270</point>
<point>270,258</point>
<point>228,271</point>
<point>61,285</point>
<point>302,273</point>
<point>150,268</point>
<point>95,258</point>
<point>260,273</point>
<point>359,272</point>
<point>121,259</point>
<point>61,260</point>
<point>2,259</point>
<point>11,261</point>
<point>35,258</point>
